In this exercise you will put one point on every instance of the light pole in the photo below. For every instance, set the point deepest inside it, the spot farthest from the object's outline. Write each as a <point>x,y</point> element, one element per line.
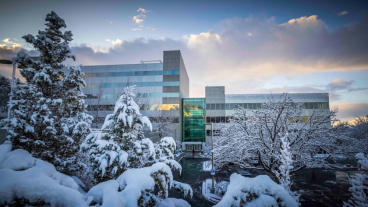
<point>213,167</point>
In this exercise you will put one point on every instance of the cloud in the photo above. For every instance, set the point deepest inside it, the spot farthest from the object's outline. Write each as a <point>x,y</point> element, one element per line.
<point>137,20</point>
<point>137,29</point>
<point>348,112</point>
<point>338,84</point>
<point>299,46</point>
<point>9,44</point>
<point>230,56</point>
<point>141,10</point>
<point>343,13</point>
<point>114,43</point>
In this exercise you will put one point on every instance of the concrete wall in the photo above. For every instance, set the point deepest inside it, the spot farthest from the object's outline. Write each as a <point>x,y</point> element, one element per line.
<point>174,61</point>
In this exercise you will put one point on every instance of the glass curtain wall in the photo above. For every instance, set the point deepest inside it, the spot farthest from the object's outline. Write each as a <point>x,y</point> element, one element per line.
<point>194,119</point>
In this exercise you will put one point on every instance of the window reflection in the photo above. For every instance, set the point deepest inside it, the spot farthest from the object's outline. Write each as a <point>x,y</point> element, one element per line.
<point>194,119</point>
<point>132,73</point>
<point>233,106</point>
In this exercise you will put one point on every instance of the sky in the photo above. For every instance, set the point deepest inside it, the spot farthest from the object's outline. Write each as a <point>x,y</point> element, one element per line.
<point>247,46</point>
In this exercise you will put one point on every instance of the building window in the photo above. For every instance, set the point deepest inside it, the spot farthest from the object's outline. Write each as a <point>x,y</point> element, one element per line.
<point>218,107</point>
<point>213,120</point>
<point>222,119</point>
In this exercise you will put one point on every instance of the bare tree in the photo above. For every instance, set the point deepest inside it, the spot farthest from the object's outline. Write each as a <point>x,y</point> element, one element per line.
<point>93,100</point>
<point>258,136</point>
<point>162,122</point>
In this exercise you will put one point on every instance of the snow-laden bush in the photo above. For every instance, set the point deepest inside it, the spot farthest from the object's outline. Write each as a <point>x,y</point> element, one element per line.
<point>260,191</point>
<point>358,189</point>
<point>165,150</point>
<point>173,202</point>
<point>28,180</point>
<point>221,187</point>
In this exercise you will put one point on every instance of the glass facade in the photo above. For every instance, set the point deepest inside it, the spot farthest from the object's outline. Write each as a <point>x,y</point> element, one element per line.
<point>194,119</point>
<point>133,73</point>
<point>140,95</point>
<point>232,106</point>
<point>138,84</point>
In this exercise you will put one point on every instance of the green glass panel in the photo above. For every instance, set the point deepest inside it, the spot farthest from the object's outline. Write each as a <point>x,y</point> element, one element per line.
<point>194,119</point>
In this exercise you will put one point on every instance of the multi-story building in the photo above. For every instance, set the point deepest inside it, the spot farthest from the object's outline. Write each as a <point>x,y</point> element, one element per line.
<point>164,86</point>
<point>161,85</point>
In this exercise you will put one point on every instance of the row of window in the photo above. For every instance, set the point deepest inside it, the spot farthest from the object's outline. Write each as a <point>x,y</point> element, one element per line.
<point>222,119</point>
<point>132,73</point>
<point>152,119</point>
<point>140,95</point>
<point>162,107</point>
<point>232,106</point>
<point>138,84</point>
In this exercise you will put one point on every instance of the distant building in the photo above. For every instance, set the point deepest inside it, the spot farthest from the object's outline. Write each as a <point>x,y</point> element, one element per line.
<point>217,107</point>
<point>165,86</point>
<point>161,85</point>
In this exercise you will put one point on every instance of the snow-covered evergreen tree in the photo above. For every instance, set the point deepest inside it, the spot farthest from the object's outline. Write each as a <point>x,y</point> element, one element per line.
<point>282,171</point>
<point>124,152</point>
<point>124,146</point>
<point>49,115</point>
<point>358,189</point>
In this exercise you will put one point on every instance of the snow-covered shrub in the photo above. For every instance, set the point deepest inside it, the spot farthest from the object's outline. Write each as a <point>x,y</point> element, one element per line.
<point>28,180</point>
<point>260,191</point>
<point>25,180</point>
<point>49,117</point>
<point>135,187</point>
<point>172,202</point>
<point>358,189</point>
<point>165,149</point>
<point>221,187</point>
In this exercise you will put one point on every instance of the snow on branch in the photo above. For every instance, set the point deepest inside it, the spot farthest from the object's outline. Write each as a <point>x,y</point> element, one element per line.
<point>260,191</point>
<point>183,187</point>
